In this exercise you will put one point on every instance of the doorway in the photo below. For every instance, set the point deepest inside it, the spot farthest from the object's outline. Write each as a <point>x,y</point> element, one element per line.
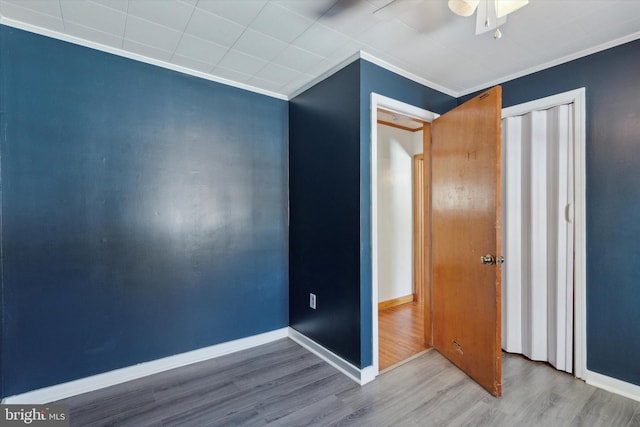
<point>402,315</point>
<point>544,289</point>
<point>472,126</point>
<point>400,238</point>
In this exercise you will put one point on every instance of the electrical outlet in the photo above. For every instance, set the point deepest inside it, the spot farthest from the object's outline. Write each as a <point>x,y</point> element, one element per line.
<point>312,301</point>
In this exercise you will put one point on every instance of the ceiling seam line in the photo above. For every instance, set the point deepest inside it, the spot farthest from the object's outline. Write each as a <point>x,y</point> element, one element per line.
<point>124,31</point>
<point>186,25</point>
<point>236,42</point>
<point>64,25</point>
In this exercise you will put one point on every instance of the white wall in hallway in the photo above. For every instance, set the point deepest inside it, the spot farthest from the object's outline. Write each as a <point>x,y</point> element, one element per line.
<point>396,148</point>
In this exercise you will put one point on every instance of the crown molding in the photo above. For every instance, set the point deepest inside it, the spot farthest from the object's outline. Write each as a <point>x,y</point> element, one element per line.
<point>555,62</point>
<point>358,55</point>
<point>136,57</point>
<point>331,71</point>
<point>404,73</point>
<point>379,62</point>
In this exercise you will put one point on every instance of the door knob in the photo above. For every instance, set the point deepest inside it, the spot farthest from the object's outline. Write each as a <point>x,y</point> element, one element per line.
<point>487,259</point>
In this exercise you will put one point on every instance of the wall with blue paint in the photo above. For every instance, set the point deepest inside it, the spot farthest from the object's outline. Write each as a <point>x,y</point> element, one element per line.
<point>144,212</point>
<point>330,191</point>
<point>324,239</point>
<point>611,79</point>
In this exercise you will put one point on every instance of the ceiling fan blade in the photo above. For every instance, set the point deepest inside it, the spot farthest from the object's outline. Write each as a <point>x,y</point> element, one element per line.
<point>394,8</point>
<point>486,17</point>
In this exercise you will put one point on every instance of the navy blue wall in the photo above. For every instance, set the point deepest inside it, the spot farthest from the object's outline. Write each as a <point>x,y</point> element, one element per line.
<point>144,212</point>
<point>324,237</point>
<point>383,82</point>
<point>612,81</point>
<point>330,192</point>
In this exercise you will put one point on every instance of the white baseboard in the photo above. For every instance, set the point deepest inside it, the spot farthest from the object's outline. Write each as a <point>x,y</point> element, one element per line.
<point>361,376</point>
<point>368,374</point>
<point>613,385</point>
<point>117,376</point>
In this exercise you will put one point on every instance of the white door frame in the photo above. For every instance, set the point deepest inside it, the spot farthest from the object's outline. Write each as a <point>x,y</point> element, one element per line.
<point>578,99</point>
<point>380,101</point>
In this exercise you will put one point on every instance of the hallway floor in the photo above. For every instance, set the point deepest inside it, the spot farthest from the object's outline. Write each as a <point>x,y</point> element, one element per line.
<point>400,333</point>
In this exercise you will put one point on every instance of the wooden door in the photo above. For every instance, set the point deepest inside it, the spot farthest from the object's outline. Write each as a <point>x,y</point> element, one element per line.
<point>466,224</point>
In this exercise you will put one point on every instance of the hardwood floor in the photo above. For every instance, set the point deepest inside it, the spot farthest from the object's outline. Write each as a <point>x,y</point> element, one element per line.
<point>282,384</point>
<point>400,333</point>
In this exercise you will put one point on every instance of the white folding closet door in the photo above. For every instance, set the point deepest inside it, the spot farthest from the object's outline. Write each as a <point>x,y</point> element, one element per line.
<point>538,236</point>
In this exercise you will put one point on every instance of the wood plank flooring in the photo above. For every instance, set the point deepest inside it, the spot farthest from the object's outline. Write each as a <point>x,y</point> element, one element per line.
<point>400,333</point>
<point>282,384</point>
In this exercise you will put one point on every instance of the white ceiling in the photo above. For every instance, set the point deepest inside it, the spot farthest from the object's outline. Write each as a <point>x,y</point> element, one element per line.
<point>280,46</point>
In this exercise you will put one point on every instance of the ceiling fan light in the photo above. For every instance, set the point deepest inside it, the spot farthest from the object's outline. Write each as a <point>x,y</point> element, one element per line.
<point>463,7</point>
<point>505,7</point>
